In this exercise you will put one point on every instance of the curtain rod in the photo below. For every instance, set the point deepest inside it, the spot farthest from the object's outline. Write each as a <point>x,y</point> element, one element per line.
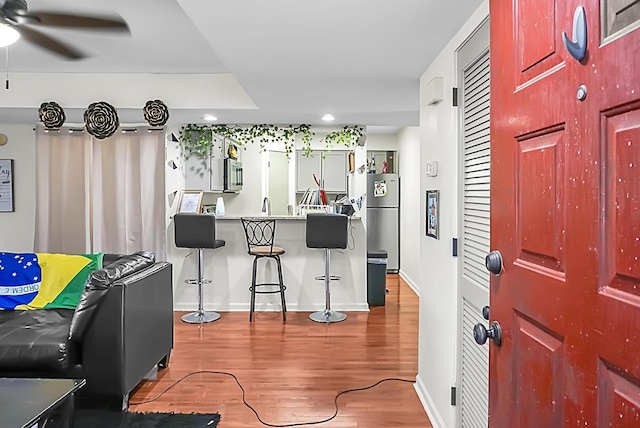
<point>78,129</point>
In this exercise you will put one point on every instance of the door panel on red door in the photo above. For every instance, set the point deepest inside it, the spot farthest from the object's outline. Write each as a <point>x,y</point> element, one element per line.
<point>618,306</point>
<point>622,204</point>
<point>619,16</point>
<point>619,398</point>
<point>540,397</point>
<point>540,187</point>
<point>536,45</point>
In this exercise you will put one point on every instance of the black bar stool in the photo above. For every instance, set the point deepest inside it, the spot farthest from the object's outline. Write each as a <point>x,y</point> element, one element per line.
<point>197,231</point>
<point>260,234</point>
<point>327,231</point>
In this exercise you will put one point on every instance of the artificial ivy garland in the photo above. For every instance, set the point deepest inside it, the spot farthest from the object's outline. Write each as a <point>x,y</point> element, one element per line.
<point>197,140</point>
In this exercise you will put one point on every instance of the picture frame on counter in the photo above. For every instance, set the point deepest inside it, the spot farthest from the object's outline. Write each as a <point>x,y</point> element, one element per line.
<point>190,201</point>
<point>209,209</point>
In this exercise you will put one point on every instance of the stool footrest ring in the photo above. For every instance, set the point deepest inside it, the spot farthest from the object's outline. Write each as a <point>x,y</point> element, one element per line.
<point>195,281</point>
<point>332,278</point>
<point>278,288</point>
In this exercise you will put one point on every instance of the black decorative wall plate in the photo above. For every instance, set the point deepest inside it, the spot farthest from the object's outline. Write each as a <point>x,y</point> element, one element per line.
<point>101,120</point>
<point>156,113</point>
<point>51,115</point>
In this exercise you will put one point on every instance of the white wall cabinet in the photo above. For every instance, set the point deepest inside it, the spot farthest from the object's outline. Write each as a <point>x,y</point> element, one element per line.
<point>330,170</point>
<point>197,173</point>
<point>334,172</point>
<point>306,166</point>
<point>206,173</point>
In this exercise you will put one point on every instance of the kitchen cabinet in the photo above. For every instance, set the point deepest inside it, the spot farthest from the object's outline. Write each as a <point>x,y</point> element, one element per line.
<point>331,170</point>
<point>306,166</point>
<point>206,173</point>
<point>334,172</point>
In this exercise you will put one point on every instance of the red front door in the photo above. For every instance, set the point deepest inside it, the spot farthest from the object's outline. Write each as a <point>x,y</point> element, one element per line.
<point>565,215</point>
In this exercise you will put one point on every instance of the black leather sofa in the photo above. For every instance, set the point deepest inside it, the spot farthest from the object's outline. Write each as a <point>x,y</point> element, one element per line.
<point>121,330</point>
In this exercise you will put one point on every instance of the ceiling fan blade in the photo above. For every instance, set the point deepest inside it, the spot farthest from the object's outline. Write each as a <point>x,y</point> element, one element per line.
<point>49,43</point>
<point>53,19</point>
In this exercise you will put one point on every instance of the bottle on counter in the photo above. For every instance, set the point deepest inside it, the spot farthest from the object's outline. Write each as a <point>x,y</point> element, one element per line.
<point>220,207</point>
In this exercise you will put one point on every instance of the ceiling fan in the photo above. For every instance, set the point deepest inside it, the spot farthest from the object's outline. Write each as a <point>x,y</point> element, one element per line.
<point>14,13</point>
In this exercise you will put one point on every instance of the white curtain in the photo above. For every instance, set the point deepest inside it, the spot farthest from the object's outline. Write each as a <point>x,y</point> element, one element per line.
<point>100,195</point>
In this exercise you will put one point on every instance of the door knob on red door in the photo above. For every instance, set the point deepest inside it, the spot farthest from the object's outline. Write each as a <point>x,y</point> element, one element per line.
<point>493,262</point>
<point>481,334</point>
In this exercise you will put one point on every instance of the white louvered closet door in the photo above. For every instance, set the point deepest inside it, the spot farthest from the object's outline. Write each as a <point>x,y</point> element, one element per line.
<point>473,245</point>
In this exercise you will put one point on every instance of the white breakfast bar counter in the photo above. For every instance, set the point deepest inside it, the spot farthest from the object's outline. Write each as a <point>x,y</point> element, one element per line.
<point>230,267</point>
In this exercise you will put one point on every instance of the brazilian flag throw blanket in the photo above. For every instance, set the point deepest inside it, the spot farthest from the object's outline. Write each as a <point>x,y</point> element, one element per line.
<point>43,280</point>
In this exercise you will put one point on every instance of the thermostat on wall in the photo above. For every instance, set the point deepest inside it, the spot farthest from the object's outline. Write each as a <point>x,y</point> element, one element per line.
<point>3,139</point>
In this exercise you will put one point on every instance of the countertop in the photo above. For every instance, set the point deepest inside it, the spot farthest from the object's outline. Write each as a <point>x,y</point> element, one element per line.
<point>270,217</point>
<point>264,217</point>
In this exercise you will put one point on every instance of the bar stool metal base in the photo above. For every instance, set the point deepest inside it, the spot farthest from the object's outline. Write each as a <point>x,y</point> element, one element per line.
<point>200,317</point>
<point>327,316</point>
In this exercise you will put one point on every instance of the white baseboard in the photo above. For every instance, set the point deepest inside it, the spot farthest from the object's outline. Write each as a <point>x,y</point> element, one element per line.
<point>411,284</point>
<point>427,403</point>
<point>244,307</point>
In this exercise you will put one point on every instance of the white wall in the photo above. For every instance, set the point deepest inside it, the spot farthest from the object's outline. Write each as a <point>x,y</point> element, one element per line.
<point>382,141</point>
<point>438,272</point>
<point>409,167</point>
<point>17,228</point>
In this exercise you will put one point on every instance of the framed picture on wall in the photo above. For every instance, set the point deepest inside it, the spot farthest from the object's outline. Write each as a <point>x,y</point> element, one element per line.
<point>432,217</point>
<point>190,201</point>
<point>6,185</point>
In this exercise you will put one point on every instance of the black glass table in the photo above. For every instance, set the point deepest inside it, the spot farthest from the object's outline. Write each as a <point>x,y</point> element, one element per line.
<point>27,402</point>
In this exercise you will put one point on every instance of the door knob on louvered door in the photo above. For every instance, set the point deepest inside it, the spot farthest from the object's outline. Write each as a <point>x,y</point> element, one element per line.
<point>481,334</point>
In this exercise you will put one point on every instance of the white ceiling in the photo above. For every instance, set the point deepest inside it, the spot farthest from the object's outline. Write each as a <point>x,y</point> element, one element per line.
<point>360,60</point>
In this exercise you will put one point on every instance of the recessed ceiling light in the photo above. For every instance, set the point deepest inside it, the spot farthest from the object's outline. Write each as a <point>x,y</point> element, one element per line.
<point>209,118</point>
<point>328,117</point>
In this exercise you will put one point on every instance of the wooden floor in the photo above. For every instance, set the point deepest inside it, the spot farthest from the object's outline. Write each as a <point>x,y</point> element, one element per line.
<point>292,371</point>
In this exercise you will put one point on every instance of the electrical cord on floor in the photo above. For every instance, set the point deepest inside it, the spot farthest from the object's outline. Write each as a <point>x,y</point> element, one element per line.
<point>297,424</point>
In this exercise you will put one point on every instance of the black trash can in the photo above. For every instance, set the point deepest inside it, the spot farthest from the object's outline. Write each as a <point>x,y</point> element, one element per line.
<point>376,277</point>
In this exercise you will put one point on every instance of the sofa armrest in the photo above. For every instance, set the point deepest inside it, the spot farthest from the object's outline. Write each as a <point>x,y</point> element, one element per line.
<point>97,285</point>
<point>131,332</point>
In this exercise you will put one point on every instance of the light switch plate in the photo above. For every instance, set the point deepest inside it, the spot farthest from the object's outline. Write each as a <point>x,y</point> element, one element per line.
<point>432,169</point>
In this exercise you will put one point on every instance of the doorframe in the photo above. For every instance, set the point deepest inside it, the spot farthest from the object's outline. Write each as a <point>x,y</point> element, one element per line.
<point>470,50</point>
<point>266,174</point>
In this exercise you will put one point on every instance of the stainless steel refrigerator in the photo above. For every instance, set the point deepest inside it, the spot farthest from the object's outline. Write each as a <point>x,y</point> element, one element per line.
<point>383,217</point>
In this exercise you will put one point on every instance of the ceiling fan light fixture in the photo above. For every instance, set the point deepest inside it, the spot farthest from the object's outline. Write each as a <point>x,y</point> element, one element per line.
<point>328,117</point>
<point>8,35</point>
